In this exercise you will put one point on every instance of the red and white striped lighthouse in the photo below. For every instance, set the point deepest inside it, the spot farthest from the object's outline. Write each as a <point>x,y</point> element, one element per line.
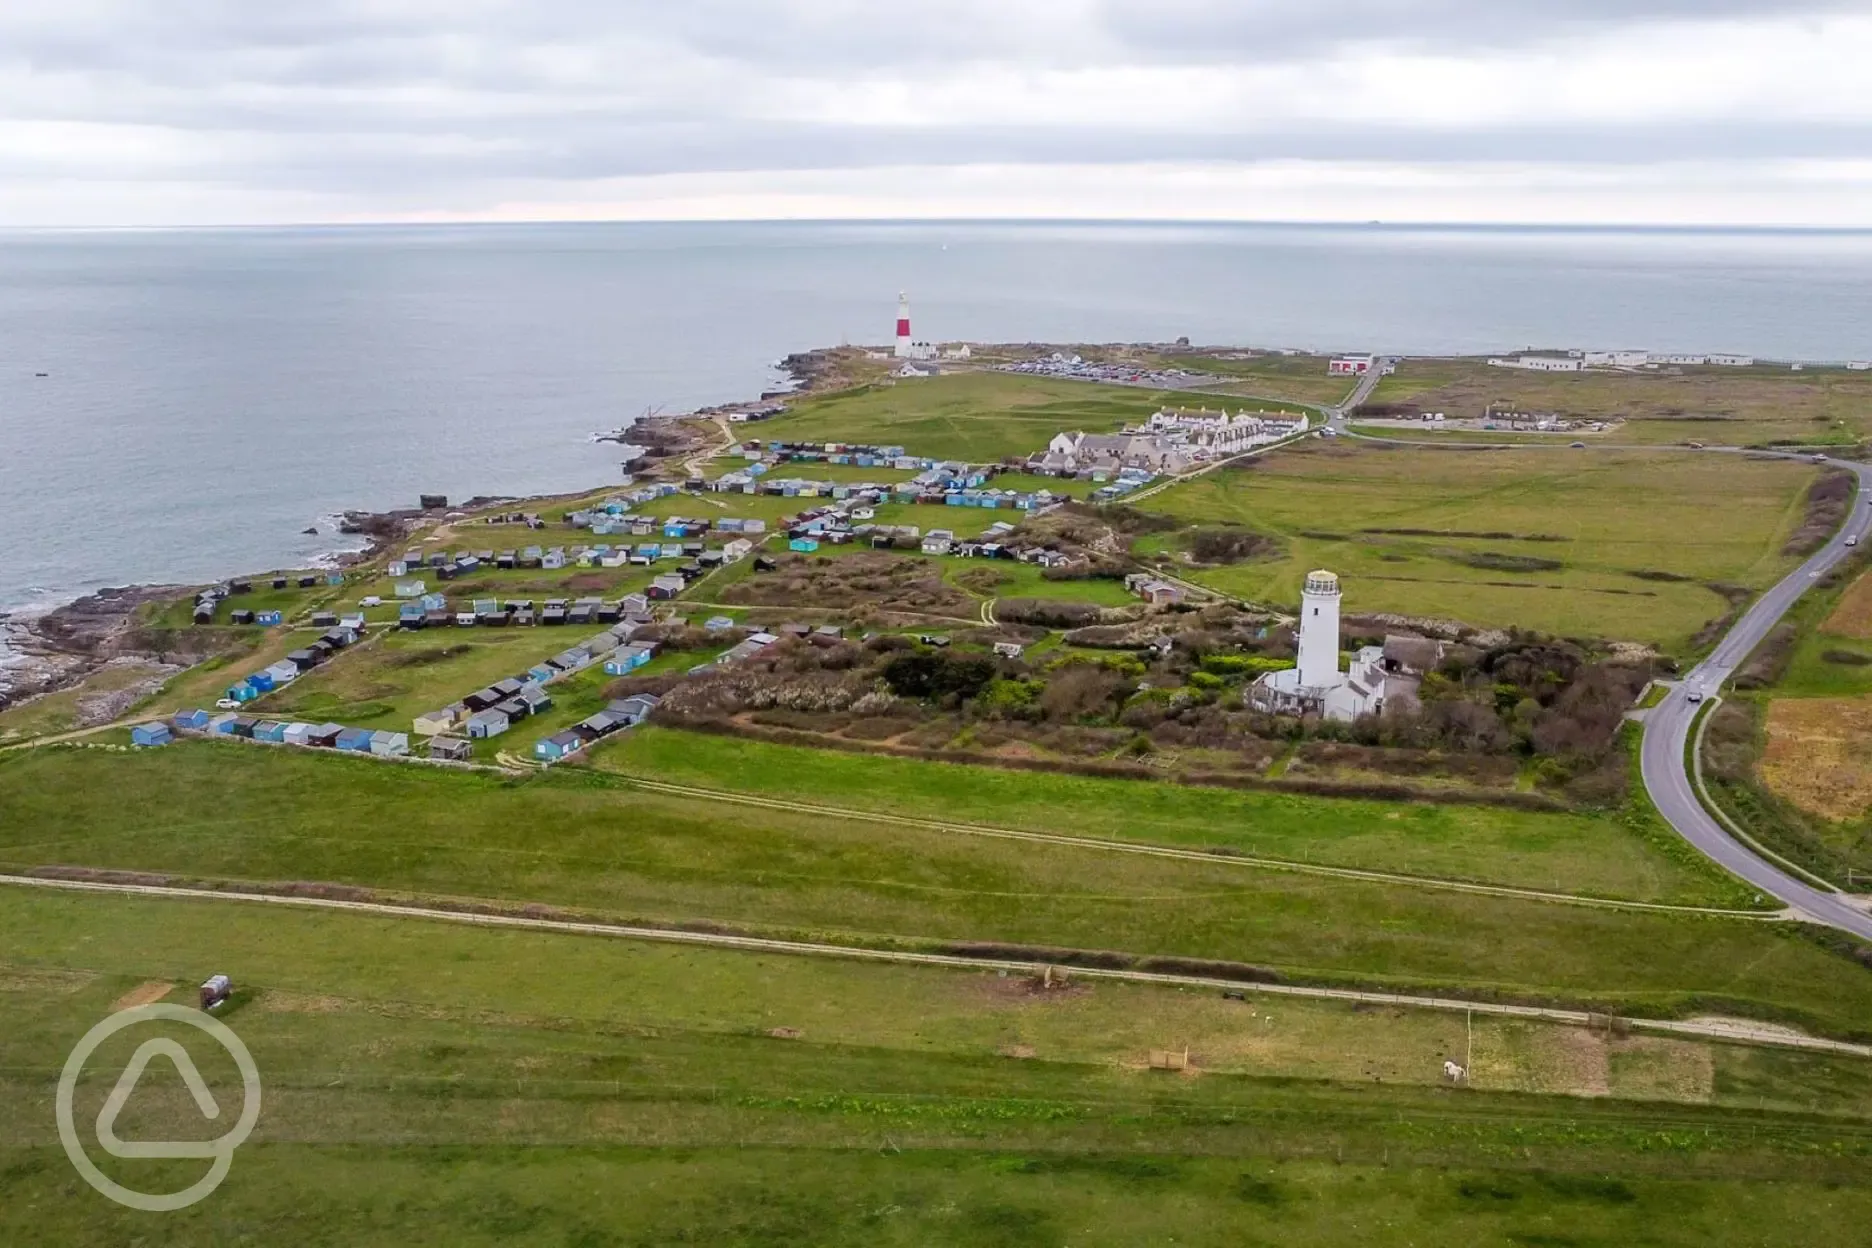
<point>903,326</point>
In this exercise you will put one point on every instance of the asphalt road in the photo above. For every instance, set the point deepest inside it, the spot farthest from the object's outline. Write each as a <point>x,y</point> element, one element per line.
<point>1667,725</point>
<point>1667,731</point>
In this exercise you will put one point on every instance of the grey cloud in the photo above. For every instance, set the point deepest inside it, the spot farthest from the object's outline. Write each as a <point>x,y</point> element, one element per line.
<point>368,97</point>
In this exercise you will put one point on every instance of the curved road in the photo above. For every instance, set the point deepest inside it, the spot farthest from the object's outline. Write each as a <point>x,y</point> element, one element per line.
<point>1667,725</point>
<point>1667,734</point>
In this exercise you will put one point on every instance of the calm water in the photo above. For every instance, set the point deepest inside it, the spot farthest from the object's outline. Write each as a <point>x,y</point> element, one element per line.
<point>210,394</point>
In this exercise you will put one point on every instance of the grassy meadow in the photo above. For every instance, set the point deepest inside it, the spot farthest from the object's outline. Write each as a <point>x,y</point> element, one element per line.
<point>1606,855</point>
<point>221,810</point>
<point>980,417</point>
<point>1715,405</point>
<point>1603,517</point>
<point>465,1086</point>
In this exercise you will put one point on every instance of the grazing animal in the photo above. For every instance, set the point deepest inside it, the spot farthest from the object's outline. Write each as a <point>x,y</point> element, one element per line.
<point>1455,1073</point>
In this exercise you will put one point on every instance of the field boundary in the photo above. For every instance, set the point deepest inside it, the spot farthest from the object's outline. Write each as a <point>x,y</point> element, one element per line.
<point>1728,1031</point>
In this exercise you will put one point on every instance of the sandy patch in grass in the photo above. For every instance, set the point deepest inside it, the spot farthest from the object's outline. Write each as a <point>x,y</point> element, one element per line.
<point>1852,615</point>
<point>146,993</point>
<point>1819,754</point>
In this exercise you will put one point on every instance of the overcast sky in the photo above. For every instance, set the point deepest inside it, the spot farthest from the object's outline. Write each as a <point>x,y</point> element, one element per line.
<point>125,112</point>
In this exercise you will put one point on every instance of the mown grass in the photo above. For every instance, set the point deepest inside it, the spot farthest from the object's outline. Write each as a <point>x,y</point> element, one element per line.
<point>426,1083</point>
<point>226,810</point>
<point>980,417</point>
<point>1532,849</point>
<point>1614,516</point>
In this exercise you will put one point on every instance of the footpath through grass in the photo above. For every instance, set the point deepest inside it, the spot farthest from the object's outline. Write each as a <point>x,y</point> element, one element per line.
<point>1596,854</point>
<point>221,810</point>
<point>429,1083</point>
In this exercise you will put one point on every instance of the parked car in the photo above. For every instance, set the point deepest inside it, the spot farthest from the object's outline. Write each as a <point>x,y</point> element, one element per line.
<point>227,704</point>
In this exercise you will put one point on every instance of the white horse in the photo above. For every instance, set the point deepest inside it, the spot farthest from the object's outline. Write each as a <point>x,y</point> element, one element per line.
<point>1455,1073</point>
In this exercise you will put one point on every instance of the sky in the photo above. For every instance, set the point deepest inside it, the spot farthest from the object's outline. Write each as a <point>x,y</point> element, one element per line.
<point>200,112</point>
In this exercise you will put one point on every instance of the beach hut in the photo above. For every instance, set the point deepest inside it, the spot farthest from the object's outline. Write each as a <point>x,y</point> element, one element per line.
<point>803,545</point>
<point>534,698</point>
<point>410,589</point>
<point>354,740</point>
<point>299,734</point>
<point>540,673</point>
<point>325,736</point>
<point>271,730</point>
<point>490,723</point>
<point>435,723</point>
<point>196,720</point>
<point>389,744</point>
<point>634,709</point>
<point>283,673</point>
<point>268,618</point>
<point>453,749</point>
<point>557,746</point>
<point>151,734</point>
<point>223,724</point>
<point>242,726</point>
<point>243,692</point>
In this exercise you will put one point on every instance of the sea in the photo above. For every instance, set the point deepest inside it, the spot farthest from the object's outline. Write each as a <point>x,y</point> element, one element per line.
<point>181,405</point>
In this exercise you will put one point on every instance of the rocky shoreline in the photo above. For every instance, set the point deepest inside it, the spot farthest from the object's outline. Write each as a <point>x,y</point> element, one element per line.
<point>64,646</point>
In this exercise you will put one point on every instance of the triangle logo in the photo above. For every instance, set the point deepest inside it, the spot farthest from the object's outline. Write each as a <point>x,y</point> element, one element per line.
<point>126,1084</point>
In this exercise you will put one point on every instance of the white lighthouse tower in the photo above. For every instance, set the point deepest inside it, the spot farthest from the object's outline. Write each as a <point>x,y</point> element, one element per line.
<point>905,348</point>
<point>1319,631</point>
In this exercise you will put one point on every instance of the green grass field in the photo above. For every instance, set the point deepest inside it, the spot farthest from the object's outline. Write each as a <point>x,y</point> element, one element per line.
<point>224,810</point>
<point>1714,405</point>
<point>1288,378</point>
<point>1601,854</point>
<point>464,1086</point>
<point>980,417</point>
<point>1604,517</point>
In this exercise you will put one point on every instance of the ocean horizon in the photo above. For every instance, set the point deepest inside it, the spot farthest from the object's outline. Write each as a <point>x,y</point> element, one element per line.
<point>212,392</point>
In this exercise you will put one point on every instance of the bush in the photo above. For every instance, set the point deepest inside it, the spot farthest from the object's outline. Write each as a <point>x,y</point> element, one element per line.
<point>1228,545</point>
<point>936,675</point>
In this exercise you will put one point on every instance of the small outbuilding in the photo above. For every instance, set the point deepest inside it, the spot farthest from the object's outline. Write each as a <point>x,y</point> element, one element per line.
<point>559,745</point>
<point>195,720</point>
<point>452,749</point>
<point>151,734</point>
